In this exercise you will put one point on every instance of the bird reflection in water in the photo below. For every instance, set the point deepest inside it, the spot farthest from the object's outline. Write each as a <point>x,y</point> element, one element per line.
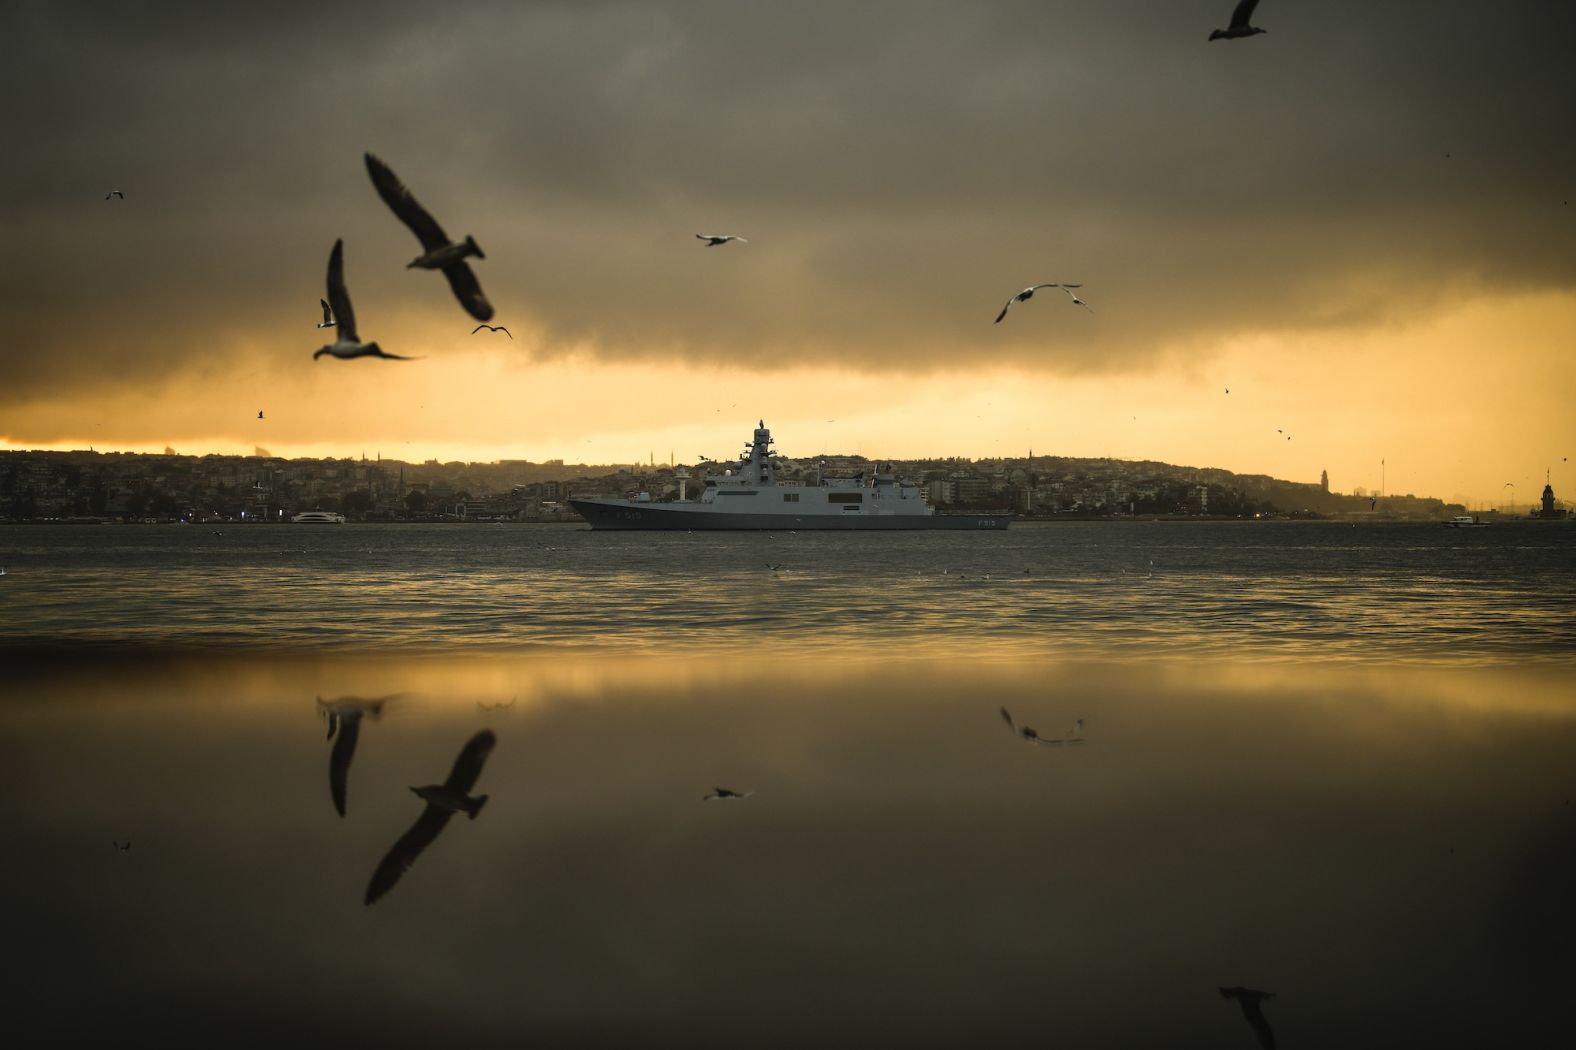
<point>1074,735</point>
<point>443,801</point>
<point>1250,999</point>
<point>344,716</point>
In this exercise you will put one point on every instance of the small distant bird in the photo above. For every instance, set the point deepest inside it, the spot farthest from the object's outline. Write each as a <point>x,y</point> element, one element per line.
<point>122,846</point>
<point>443,801</point>
<point>438,252</point>
<point>1250,999</point>
<point>347,344</point>
<point>259,413</point>
<point>714,239</point>
<point>114,193</point>
<point>775,568</point>
<point>725,795</point>
<point>1228,390</point>
<point>1239,23</point>
<point>500,706</point>
<point>493,328</point>
<point>1077,301</point>
<point>1027,294</point>
<point>328,315</point>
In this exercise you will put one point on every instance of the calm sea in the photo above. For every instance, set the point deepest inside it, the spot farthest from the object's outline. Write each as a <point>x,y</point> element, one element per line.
<point>1327,762</point>
<point>1296,591</point>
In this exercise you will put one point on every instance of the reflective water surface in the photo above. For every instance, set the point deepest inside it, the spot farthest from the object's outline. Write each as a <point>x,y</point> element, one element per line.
<point>1139,590</point>
<point>1389,851</point>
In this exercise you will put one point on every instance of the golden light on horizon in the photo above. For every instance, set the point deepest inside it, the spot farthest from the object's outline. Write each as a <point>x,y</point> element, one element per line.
<point>1346,399</point>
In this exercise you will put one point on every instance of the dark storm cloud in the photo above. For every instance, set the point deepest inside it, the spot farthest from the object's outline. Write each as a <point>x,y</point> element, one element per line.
<point>899,169</point>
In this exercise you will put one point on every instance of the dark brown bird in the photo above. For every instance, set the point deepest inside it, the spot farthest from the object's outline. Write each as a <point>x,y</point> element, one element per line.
<point>438,252</point>
<point>443,801</point>
<point>1250,999</point>
<point>346,343</point>
<point>1239,23</point>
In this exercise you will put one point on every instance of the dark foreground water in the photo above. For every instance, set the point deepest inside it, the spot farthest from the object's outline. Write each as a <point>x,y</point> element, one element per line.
<point>1332,764</point>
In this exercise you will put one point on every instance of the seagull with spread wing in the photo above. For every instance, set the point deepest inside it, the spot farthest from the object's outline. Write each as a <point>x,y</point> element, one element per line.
<point>443,801</point>
<point>493,328</point>
<point>438,252</point>
<point>1250,999</point>
<point>346,345</point>
<point>714,239</point>
<point>328,315</point>
<point>725,795</point>
<point>1028,293</point>
<point>344,716</point>
<point>1239,22</point>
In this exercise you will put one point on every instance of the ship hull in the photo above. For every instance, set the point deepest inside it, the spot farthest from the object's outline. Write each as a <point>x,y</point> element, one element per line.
<point>631,516</point>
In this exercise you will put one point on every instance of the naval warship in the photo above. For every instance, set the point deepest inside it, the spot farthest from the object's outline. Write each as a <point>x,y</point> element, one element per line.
<point>750,497</point>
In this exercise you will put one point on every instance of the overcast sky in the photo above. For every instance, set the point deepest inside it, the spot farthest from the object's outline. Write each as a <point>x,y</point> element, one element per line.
<point>899,169</point>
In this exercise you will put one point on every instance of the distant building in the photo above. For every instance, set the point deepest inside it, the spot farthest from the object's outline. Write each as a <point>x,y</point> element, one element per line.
<point>1324,480</point>
<point>1549,511</point>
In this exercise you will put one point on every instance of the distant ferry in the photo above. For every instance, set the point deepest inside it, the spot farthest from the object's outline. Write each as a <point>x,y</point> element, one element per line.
<point>749,497</point>
<point>1464,521</point>
<point>318,517</point>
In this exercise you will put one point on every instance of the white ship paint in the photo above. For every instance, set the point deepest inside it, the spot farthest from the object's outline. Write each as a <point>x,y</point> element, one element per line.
<point>750,497</point>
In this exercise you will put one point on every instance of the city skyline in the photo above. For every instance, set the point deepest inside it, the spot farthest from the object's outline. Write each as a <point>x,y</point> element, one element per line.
<point>1381,267</point>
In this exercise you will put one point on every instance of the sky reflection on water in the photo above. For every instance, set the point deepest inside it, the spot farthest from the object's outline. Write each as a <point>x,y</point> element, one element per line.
<point>1320,591</point>
<point>1389,851</point>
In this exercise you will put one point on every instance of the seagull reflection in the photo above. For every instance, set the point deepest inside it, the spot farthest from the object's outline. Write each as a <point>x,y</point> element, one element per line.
<point>1074,735</point>
<point>443,801</point>
<point>725,795</point>
<point>344,716</point>
<point>1249,999</point>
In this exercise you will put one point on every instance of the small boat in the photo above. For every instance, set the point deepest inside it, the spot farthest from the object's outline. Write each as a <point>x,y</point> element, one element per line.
<point>1464,521</point>
<point>318,517</point>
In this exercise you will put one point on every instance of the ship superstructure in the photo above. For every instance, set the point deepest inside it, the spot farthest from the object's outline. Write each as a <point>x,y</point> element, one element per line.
<point>748,496</point>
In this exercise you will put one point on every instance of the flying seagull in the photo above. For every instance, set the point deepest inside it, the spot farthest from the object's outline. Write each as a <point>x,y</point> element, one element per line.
<point>347,344</point>
<point>1028,293</point>
<point>725,795</point>
<point>438,252</point>
<point>493,328</point>
<point>443,801</point>
<point>1239,23</point>
<point>344,716</point>
<point>1079,302</point>
<point>328,315</point>
<point>714,239</point>
<point>259,413</point>
<point>114,193</point>
<point>1249,999</point>
<point>122,846</point>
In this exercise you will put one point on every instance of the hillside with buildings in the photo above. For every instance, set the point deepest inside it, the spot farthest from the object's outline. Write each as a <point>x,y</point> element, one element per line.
<point>63,486</point>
